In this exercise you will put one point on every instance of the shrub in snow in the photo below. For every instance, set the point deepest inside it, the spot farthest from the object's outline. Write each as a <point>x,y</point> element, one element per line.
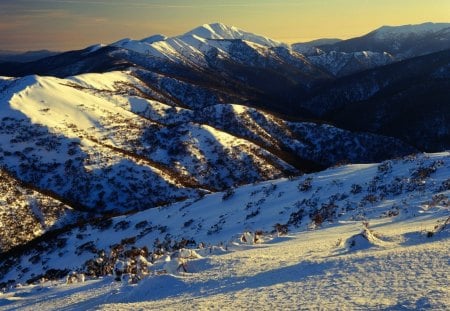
<point>305,185</point>
<point>445,185</point>
<point>247,237</point>
<point>356,189</point>
<point>250,238</point>
<point>81,277</point>
<point>74,277</point>
<point>295,218</point>
<point>119,269</point>
<point>281,229</point>
<point>51,274</point>
<point>141,225</point>
<point>122,225</point>
<point>385,167</point>
<point>186,254</point>
<point>442,226</point>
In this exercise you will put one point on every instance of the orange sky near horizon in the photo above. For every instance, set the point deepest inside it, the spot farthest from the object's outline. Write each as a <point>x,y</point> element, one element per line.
<point>74,24</point>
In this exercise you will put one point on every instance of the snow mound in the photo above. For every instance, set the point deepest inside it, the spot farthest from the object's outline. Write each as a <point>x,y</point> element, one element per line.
<point>364,240</point>
<point>156,287</point>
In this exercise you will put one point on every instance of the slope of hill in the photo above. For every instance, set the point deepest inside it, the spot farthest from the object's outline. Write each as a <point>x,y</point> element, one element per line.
<point>400,190</point>
<point>266,239</point>
<point>26,213</point>
<point>95,139</point>
<point>309,270</point>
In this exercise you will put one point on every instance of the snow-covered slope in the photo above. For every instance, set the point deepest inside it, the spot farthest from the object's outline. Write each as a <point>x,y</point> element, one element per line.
<point>195,45</point>
<point>94,139</point>
<point>308,270</point>
<point>401,42</point>
<point>322,144</point>
<point>398,190</point>
<point>88,139</point>
<point>378,237</point>
<point>343,64</point>
<point>396,32</point>
<point>26,214</point>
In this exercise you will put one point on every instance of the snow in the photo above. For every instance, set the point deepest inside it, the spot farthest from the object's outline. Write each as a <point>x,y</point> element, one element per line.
<point>219,31</point>
<point>300,270</point>
<point>384,246</point>
<point>61,102</point>
<point>389,32</point>
<point>391,252</point>
<point>342,63</point>
<point>193,46</point>
<point>153,39</point>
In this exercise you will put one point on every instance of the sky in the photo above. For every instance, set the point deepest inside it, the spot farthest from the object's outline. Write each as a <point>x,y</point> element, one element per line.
<point>61,25</point>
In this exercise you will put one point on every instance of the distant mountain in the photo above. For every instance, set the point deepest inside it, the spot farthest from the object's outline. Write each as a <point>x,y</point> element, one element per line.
<point>91,59</point>
<point>23,57</point>
<point>400,41</point>
<point>406,100</point>
<point>312,47</point>
<point>380,47</point>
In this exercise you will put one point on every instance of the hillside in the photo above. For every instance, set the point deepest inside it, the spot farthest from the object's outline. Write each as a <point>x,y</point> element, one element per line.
<point>323,234</point>
<point>94,139</point>
<point>401,190</point>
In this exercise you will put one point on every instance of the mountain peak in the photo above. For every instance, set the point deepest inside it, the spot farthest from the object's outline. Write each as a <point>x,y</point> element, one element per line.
<point>219,31</point>
<point>216,31</point>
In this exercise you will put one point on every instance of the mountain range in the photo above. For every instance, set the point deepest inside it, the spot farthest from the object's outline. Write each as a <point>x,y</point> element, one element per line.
<point>91,135</point>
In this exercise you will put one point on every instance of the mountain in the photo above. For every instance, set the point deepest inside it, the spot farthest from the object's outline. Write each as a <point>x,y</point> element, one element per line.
<point>342,64</point>
<point>380,47</point>
<point>400,41</point>
<point>23,57</point>
<point>316,43</point>
<point>212,164</point>
<point>93,139</point>
<point>404,100</point>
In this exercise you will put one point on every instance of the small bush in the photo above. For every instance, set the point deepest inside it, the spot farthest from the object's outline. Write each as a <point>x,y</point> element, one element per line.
<point>356,189</point>
<point>305,185</point>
